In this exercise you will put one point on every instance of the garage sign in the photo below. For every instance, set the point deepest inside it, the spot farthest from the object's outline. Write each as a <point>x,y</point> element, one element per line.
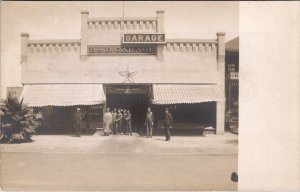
<point>154,38</point>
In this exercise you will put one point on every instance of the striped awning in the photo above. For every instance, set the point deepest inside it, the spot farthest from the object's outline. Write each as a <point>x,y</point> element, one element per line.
<point>176,94</point>
<point>62,94</point>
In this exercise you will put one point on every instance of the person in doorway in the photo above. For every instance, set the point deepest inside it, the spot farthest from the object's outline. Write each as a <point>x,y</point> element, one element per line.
<point>113,126</point>
<point>123,122</point>
<point>168,124</point>
<point>39,116</point>
<point>128,122</point>
<point>39,119</point>
<point>77,116</point>
<point>107,119</point>
<point>119,122</point>
<point>87,118</point>
<point>149,120</point>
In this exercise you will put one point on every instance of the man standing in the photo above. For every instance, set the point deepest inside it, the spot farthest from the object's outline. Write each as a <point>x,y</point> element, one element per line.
<point>107,119</point>
<point>128,122</point>
<point>123,122</point>
<point>168,121</point>
<point>39,119</point>
<point>125,132</point>
<point>118,121</point>
<point>114,115</point>
<point>77,116</point>
<point>149,122</point>
<point>87,118</point>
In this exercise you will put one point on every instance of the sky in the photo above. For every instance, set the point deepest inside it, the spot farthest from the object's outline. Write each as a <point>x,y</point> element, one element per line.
<point>62,20</point>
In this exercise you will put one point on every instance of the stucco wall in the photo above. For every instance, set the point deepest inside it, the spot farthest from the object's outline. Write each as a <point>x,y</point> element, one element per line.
<point>67,67</point>
<point>67,61</point>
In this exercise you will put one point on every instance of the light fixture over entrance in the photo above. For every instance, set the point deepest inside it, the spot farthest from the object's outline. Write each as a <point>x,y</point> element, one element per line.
<point>127,90</point>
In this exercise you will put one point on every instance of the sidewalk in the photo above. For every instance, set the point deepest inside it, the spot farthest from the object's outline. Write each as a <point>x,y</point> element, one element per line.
<point>209,144</point>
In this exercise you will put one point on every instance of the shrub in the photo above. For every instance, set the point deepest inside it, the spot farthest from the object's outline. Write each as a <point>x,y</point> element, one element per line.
<point>17,122</point>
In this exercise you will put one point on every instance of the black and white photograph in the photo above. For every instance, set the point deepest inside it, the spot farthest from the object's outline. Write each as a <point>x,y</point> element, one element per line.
<point>120,96</point>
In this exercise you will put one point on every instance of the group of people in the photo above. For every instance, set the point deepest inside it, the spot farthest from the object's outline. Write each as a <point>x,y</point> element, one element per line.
<point>119,121</point>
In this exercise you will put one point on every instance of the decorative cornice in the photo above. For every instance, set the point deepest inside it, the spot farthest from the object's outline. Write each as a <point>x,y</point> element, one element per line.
<point>54,41</point>
<point>122,19</point>
<point>192,41</point>
<point>53,45</point>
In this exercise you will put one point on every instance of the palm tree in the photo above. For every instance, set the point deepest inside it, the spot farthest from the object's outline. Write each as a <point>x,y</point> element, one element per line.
<point>17,122</point>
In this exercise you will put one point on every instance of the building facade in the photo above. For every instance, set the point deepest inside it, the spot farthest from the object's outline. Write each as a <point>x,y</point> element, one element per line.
<point>128,63</point>
<point>232,82</point>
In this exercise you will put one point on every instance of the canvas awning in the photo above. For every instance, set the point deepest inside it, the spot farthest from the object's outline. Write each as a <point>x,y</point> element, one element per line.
<point>63,95</point>
<point>176,94</point>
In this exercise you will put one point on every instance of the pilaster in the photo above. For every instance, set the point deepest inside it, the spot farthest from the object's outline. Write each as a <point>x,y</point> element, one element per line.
<point>160,29</point>
<point>24,43</point>
<point>84,35</point>
<point>221,68</point>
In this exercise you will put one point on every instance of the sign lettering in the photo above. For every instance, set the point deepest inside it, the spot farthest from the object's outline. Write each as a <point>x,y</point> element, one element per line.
<point>154,38</point>
<point>102,50</point>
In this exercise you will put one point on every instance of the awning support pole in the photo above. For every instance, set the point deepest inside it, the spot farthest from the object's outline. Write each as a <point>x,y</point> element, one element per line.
<point>220,117</point>
<point>105,105</point>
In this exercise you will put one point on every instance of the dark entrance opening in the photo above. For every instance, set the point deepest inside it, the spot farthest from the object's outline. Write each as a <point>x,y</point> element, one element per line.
<point>188,119</point>
<point>132,97</point>
<point>59,120</point>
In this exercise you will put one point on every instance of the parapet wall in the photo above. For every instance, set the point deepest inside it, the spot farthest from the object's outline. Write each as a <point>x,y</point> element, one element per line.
<point>196,45</point>
<point>53,46</point>
<point>108,31</point>
<point>175,61</point>
<point>107,24</point>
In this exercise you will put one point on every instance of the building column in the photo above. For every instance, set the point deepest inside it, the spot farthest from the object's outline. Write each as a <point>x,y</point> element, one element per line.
<point>158,67</point>
<point>220,126</point>
<point>160,29</point>
<point>105,105</point>
<point>220,116</point>
<point>84,35</point>
<point>24,43</point>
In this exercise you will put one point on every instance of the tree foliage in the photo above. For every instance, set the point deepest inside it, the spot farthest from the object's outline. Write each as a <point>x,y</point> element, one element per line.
<point>17,122</point>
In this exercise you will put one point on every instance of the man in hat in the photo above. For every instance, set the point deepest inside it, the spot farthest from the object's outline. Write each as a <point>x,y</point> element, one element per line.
<point>77,116</point>
<point>128,122</point>
<point>123,122</point>
<point>107,119</point>
<point>168,124</point>
<point>149,122</point>
<point>119,121</point>
<point>87,118</point>
<point>114,115</point>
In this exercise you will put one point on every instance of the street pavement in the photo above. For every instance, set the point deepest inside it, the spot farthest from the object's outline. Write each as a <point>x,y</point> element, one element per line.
<point>118,163</point>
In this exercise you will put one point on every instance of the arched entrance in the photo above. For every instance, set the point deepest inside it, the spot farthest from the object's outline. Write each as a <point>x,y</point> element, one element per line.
<point>132,97</point>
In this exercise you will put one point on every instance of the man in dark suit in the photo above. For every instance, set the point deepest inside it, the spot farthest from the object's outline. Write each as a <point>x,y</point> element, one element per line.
<point>114,116</point>
<point>168,124</point>
<point>77,116</point>
<point>119,117</point>
<point>128,122</point>
<point>123,122</point>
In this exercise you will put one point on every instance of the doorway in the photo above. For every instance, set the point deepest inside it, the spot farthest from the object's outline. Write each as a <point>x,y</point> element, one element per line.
<point>132,97</point>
